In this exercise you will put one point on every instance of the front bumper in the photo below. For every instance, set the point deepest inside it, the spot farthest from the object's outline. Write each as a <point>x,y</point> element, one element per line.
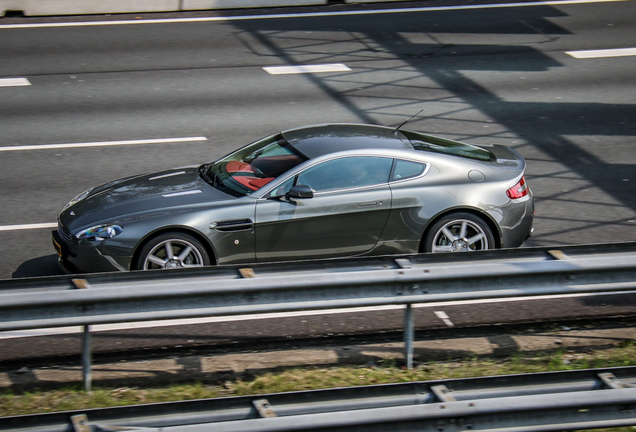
<point>75,257</point>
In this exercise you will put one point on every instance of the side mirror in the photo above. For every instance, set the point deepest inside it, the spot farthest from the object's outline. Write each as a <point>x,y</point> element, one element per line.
<point>300,191</point>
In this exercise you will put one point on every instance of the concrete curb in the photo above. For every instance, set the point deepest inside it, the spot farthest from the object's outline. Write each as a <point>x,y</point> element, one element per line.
<point>216,368</point>
<point>88,7</point>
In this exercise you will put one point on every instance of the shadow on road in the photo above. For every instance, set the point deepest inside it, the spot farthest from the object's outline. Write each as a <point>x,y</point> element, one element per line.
<point>42,266</point>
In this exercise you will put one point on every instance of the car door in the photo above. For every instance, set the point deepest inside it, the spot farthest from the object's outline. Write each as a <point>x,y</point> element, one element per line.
<point>346,215</point>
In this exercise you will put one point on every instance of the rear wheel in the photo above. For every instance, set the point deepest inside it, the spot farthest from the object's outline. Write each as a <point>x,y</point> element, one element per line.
<point>459,232</point>
<point>172,250</point>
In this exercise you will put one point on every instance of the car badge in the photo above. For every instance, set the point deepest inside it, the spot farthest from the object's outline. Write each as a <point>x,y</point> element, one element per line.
<point>72,213</point>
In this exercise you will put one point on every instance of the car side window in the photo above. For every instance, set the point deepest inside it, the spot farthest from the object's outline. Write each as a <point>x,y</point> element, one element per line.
<point>407,169</point>
<point>348,172</point>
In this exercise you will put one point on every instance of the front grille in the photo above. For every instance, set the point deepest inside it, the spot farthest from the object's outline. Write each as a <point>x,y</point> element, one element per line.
<point>65,236</point>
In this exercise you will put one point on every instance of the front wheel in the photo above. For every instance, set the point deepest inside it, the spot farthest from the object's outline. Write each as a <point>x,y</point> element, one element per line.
<point>172,250</point>
<point>459,232</point>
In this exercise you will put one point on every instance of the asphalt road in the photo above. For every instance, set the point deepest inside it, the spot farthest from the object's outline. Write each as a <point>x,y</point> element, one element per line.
<point>505,75</point>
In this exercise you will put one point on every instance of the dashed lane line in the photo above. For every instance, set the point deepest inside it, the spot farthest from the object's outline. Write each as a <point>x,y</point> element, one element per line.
<point>603,53</point>
<point>301,69</point>
<point>27,226</point>
<point>442,315</point>
<point>14,82</point>
<point>102,144</point>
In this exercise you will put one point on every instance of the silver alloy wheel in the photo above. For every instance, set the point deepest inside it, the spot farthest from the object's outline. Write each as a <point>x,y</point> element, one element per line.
<point>460,235</point>
<point>173,253</point>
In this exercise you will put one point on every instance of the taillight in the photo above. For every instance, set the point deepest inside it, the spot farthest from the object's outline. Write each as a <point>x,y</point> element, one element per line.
<point>519,190</point>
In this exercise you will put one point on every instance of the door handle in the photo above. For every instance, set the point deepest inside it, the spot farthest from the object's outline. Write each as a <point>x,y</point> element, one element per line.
<point>369,203</point>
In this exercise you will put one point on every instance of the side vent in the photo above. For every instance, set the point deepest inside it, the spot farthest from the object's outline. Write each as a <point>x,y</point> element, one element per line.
<point>233,225</point>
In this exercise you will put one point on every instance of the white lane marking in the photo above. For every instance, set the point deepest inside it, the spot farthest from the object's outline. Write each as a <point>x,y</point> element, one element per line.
<point>305,15</point>
<point>442,315</point>
<point>603,53</point>
<point>102,144</point>
<point>178,322</point>
<point>27,226</point>
<point>256,317</point>
<point>286,70</point>
<point>14,82</point>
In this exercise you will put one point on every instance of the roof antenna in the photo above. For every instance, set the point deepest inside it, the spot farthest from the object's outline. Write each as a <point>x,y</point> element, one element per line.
<point>411,118</point>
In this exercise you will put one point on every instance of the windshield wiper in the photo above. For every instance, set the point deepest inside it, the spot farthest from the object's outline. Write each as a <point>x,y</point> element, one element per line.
<point>217,181</point>
<point>203,172</point>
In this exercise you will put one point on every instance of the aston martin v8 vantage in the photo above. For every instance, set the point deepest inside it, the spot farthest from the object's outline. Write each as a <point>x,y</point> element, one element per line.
<point>313,192</point>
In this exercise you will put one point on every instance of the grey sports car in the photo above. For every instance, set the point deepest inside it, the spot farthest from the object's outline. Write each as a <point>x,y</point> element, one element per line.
<point>320,191</point>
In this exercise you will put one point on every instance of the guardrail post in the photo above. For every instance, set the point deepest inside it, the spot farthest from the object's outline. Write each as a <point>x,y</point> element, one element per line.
<point>86,359</point>
<point>86,342</point>
<point>408,336</point>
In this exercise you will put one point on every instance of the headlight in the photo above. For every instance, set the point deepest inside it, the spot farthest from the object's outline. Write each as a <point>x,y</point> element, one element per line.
<point>77,199</point>
<point>99,233</point>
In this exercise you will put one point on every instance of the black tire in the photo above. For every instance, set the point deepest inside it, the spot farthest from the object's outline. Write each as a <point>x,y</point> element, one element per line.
<point>186,251</point>
<point>477,234</point>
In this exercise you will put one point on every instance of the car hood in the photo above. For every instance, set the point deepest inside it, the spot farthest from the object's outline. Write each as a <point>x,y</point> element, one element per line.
<point>116,201</point>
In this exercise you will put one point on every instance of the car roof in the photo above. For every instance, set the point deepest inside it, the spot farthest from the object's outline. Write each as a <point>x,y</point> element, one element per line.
<point>319,140</point>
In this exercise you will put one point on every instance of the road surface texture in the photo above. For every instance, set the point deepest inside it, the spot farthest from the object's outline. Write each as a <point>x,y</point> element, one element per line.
<point>83,104</point>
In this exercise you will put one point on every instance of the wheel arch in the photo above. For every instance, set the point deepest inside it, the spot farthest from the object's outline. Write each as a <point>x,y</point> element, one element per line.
<point>179,229</point>
<point>487,218</point>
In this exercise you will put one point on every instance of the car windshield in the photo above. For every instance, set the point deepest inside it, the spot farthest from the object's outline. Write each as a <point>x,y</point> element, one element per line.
<point>252,167</point>
<point>449,147</point>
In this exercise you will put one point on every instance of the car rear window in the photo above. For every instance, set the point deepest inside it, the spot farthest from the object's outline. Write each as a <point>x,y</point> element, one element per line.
<point>434,144</point>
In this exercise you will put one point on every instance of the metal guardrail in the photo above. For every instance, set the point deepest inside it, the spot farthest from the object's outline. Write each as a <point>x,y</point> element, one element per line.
<point>326,284</point>
<point>554,401</point>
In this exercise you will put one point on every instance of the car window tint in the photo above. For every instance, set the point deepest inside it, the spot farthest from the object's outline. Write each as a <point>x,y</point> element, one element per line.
<point>252,167</point>
<point>407,169</point>
<point>346,173</point>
